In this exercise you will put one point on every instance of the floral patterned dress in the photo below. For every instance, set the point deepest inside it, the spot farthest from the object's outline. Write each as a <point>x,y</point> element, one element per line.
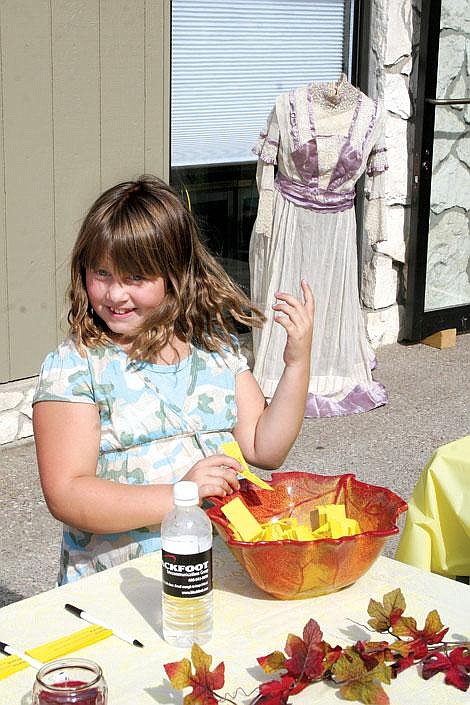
<point>156,422</point>
<point>322,138</point>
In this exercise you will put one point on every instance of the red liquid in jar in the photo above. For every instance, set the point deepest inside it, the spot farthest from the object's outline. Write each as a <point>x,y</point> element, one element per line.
<point>89,696</point>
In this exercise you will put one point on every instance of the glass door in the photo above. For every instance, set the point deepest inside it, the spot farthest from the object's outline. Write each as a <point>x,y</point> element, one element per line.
<point>439,276</point>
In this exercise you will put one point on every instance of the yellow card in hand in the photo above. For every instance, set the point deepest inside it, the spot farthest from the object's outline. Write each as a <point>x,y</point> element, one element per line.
<point>233,450</point>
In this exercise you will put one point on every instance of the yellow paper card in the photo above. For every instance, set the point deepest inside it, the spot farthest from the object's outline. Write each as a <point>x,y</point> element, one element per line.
<point>242,519</point>
<point>352,527</point>
<point>303,533</point>
<point>234,451</point>
<point>55,649</point>
<point>335,511</point>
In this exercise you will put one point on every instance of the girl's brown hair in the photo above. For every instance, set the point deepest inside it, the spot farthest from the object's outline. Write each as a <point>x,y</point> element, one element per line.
<point>142,227</point>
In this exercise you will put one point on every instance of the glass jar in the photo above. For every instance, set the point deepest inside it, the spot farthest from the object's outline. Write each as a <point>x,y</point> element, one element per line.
<point>68,681</point>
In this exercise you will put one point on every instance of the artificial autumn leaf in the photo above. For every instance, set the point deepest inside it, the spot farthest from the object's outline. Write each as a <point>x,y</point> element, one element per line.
<point>373,652</point>
<point>385,614</point>
<point>403,648</point>
<point>312,633</point>
<point>203,682</point>
<point>401,664</point>
<point>179,673</point>
<point>357,670</point>
<point>330,655</point>
<point>272,662</point>
<point>456,666</point>
<point>357,683</point>
<point>277,692</point>
<point>306,655</point>
<point>432,633</point>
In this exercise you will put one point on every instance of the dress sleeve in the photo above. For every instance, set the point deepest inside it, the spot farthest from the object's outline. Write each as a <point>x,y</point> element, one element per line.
<point>65,376</point>
<point>267,144</point>
<point>266,148</point>
<point>375,183</point>
<point>236,360</point>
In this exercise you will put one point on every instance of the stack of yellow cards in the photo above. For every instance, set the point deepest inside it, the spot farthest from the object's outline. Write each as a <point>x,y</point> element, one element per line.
<point>328,521</point>
<point>55,649</point>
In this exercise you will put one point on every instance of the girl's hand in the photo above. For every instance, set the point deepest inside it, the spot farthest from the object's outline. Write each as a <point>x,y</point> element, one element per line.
<point>298,323</point>
<point>215,475</point>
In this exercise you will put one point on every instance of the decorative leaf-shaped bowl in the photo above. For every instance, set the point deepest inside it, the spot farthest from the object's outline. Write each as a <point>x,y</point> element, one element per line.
<point>291,569</point>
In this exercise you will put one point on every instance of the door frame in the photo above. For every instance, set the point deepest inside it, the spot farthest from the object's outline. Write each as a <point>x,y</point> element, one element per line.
<point>418,322</point>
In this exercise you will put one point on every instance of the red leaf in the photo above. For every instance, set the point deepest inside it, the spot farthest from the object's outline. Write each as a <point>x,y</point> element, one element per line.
<point>295,648</point>
<point>456,666</point>
<point>401,664</point>
<point>306,655</point>
<point>277,692</point>
<point>330,655</point>
<point>312,633</point>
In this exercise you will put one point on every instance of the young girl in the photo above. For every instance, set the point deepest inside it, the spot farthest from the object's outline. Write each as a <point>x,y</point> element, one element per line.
<point>151,381</point>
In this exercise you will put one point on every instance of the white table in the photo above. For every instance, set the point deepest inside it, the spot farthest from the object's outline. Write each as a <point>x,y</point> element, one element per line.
<point>248,623</point>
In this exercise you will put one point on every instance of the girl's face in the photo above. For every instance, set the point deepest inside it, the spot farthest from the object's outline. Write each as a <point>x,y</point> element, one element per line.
<point>123,304</point>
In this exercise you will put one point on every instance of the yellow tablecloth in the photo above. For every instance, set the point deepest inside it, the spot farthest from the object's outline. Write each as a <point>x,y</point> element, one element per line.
<point>247,623</point>
<point>436,535</point>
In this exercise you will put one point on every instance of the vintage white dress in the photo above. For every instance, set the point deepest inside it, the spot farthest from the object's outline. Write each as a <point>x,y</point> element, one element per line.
<point>322,137</point>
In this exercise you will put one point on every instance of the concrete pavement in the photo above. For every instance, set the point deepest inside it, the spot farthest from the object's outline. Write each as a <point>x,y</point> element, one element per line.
<point>429,392</point>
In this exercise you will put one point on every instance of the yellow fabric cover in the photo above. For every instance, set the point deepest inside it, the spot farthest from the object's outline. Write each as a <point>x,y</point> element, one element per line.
<point>436,535</point>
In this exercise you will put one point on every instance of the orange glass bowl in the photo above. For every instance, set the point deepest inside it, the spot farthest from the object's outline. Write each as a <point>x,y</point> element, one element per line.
<point>291,570</point>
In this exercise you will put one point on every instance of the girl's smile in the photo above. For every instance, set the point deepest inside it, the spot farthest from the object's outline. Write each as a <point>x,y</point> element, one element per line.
<point>124,303</point>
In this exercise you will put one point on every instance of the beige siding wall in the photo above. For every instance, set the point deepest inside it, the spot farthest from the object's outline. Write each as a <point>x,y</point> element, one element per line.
<point>84,103</point>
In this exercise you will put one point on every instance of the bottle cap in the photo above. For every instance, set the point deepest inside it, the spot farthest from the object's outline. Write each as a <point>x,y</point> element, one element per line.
<point>185,493</point>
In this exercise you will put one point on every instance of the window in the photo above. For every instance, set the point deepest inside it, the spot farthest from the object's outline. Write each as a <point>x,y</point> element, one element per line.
<point>229,62</point>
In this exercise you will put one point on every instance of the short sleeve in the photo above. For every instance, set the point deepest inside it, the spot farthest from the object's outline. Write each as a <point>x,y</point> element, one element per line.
<point>65,376</point>
<point>236,361</point>
<point>267,144</point>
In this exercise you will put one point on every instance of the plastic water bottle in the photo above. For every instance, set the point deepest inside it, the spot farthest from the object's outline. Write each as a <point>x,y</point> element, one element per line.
<point>186,533</point>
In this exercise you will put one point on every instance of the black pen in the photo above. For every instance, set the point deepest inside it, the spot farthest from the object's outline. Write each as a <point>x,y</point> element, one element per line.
<point>10,650</point>
<point>78,612</point>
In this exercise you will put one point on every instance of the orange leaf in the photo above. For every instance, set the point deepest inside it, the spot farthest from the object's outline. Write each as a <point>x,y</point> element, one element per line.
<point>272,662</point>
<point>203,682</point>
<point>179,673</point>
<point>432,633</point>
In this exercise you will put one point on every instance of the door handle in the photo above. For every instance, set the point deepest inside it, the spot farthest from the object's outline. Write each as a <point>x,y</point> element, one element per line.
<point>448,101</point>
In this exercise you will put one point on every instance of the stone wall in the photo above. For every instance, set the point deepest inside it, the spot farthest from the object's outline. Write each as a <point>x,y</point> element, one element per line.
<point>16,410</point>
<point>392,64</point>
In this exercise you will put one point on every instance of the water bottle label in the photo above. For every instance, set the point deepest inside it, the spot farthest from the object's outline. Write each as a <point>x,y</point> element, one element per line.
<point>187,575</point>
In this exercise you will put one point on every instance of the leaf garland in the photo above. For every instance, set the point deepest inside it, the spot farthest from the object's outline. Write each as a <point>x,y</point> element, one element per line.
<point>359,670</point>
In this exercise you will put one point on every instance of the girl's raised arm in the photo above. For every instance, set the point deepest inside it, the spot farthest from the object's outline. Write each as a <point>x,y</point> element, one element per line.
<point>267,432</point>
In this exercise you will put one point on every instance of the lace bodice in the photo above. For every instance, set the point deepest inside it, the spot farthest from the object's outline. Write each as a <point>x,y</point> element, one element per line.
<point>322,137</point>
